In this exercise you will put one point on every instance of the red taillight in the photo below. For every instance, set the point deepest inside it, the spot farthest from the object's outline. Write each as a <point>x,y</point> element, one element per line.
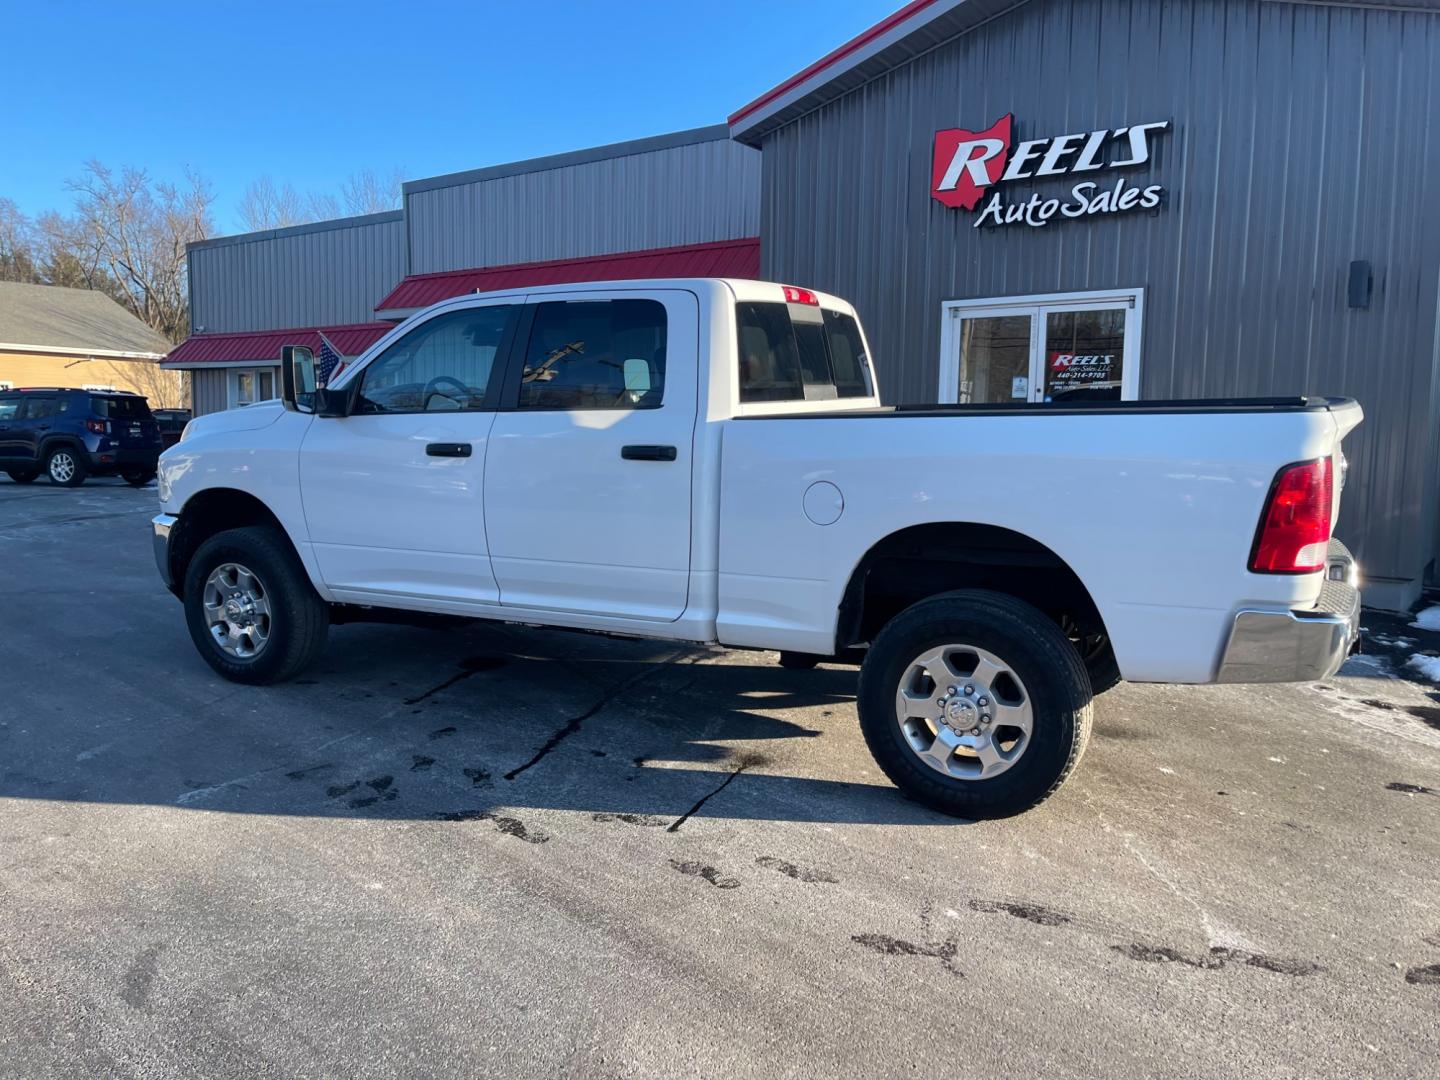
<point>1294,535</point>
<point>98,427</point>
<point>800,296</point>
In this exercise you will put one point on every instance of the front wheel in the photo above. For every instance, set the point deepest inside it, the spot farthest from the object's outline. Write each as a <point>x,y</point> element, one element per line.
<point>251,609</point>
<point>975,704</point>
<point>21,476</point>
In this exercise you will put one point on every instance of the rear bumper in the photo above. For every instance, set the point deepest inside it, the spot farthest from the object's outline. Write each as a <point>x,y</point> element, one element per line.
<point>1298,645</point>
<point>160,526</point>
<point>114,460</point>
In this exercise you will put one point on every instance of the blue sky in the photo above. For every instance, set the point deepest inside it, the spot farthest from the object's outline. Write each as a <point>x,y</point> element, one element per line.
<point>310,92</point>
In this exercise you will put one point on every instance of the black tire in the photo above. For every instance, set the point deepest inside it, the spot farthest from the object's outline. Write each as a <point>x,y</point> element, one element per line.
<point>798,661</point>
<point>138,478</point>
<point>21,476</point>
<point>56,462</point>
<point>299,620</point>
<point>1054,679</point>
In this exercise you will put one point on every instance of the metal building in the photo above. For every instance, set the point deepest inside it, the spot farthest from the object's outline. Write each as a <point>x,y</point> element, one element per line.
<point>1209,198</point>
<point>683,204</point>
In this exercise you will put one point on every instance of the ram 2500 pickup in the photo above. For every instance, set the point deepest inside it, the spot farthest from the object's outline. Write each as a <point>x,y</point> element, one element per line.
<point>709,461</point>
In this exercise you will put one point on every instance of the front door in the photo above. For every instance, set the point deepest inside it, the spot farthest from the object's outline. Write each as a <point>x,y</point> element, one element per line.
<point>393,493</point>
<point>1080,347</point>
<point>588,479</point>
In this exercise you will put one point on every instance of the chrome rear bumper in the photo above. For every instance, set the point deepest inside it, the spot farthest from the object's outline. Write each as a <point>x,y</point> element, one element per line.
<point>1298,646</point>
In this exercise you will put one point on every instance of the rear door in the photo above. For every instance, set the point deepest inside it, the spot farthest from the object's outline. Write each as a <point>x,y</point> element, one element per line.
<point>33,423</point>
<point>588,479</point>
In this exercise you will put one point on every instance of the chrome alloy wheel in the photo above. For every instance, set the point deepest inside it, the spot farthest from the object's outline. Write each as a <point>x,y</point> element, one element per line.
<point>964,712</point>
<point>62,466</point>
<point>237,611</point>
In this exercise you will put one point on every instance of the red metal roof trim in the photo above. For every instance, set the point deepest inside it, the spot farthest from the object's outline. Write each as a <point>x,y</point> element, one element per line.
<point>854,44</point>
<point>263,346</point>
<point>724,258</point>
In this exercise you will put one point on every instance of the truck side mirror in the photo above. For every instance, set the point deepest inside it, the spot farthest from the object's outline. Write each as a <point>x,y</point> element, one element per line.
<point>297,378</point>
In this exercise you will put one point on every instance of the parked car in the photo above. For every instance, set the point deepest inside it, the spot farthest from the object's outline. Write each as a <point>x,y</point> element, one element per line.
<point>70,434</point>
<point>172,425</point>
<point>709,461</point>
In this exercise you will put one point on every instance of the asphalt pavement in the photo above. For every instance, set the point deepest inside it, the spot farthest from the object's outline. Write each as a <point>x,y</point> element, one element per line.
<point>489,850</point>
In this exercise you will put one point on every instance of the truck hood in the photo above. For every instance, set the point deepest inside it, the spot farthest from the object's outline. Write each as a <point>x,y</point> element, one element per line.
<point>245,418</point>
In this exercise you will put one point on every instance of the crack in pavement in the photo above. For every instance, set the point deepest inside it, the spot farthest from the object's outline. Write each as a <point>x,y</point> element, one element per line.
<point>746,762</point>
<point>572,725</point>
<point>472,665</point>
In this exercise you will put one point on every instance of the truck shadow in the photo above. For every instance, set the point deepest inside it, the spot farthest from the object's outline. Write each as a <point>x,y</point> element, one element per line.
<point>637,733</point>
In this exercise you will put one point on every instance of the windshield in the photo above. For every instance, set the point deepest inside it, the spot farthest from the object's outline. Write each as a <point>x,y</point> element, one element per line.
<point>799,352</point>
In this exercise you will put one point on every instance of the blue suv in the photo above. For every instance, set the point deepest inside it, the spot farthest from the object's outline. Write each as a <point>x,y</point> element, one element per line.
<point>72,434</point>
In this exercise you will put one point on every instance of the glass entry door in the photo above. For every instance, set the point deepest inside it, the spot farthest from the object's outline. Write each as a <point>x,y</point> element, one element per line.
<point>1078,347</point>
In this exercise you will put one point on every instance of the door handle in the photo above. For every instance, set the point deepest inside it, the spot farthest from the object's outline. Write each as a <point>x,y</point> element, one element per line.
<point>447,449</point>
<point>648,453</point>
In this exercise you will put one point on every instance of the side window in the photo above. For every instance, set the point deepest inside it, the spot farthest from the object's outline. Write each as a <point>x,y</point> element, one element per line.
<point>9,408</point>
<point>38,408</point>
<point>443,365</point>
<point>602,354</point>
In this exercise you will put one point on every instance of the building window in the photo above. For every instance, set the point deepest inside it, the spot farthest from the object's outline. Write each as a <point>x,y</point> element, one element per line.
<point>245,386</point>
<point>1053,348</point>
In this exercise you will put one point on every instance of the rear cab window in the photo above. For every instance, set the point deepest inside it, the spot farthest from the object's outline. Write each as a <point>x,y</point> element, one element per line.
<point>797,352</point>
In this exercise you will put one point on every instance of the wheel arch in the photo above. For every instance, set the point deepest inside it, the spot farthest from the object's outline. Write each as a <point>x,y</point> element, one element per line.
<point>51,443</point>
<point>211,511</point>
<point>919,561</point>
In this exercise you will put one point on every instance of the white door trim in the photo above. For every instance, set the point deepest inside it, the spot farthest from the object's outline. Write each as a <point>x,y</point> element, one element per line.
<point>951,312</point>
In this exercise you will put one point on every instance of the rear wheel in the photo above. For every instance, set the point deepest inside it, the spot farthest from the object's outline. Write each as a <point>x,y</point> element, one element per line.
<point>974,703</point>
<point>251,609</point>
<point>65,467</point>
<point>138,477</point>
<point>21,476</point>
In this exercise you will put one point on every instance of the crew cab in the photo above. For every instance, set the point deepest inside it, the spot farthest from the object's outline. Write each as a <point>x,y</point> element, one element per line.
<point>709,461</point>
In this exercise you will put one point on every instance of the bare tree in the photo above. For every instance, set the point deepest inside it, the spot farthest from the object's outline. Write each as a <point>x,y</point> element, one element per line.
<point>268,206</point>
<point>138,231</point>
<point>17,244</point>
<point>366,192</point>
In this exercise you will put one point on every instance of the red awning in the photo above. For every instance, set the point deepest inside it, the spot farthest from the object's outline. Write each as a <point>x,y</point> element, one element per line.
<point>263,346</point>
<point>726,258</point>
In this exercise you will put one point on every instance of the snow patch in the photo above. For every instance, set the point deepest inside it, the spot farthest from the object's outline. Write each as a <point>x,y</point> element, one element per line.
<point>1429,619</point>
<point>1427,666</point>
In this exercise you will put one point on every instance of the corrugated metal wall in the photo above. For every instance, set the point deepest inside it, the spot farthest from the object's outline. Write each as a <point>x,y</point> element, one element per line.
<point>325,274</point>
<point>208,391</point>
<point>692,193</point>
<point>1302,140</point>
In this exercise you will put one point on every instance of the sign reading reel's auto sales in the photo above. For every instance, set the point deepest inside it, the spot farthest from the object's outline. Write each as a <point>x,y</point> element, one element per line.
<point>968,164</point>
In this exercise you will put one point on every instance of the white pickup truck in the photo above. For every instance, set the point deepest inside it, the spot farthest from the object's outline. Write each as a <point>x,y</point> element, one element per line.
<point>708,461</point>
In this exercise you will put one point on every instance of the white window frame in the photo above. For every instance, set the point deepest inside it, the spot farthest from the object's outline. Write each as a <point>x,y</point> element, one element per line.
<point>232,383</point>
<point>1037,306</point>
